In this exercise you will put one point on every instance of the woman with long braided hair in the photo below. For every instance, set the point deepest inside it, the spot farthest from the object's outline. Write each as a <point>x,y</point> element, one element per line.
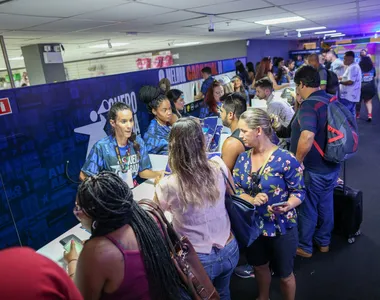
<point>122,152</point>
<point>126,256</point>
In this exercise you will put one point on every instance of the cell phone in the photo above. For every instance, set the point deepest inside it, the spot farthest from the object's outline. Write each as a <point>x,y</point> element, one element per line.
<point>66,243</point>
<point>279,204</point>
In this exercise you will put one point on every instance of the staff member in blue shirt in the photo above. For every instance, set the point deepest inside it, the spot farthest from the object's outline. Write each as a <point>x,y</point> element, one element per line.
<point>122,152</point>
<point>208,80</point>
<point>157,135</point>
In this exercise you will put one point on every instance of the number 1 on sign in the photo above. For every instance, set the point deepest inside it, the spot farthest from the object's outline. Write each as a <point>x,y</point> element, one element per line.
<point>2,107</point>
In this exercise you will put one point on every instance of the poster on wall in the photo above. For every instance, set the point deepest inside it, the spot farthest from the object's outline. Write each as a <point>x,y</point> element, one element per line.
<point>157,60</point>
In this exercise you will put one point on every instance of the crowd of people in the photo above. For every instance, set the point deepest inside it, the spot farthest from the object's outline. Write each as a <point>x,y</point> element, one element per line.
<point>287,180</point>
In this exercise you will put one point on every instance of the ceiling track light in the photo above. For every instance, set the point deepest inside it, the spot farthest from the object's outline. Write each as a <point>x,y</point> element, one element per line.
<point>109,44</point>
<point>267,31</point>
<point>299,34</point>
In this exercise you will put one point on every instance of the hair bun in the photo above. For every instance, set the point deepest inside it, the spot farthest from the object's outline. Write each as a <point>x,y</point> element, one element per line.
<point>149,93</point>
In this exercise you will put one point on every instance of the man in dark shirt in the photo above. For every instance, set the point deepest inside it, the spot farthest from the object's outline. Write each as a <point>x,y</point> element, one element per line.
<point>314,62</point>
<point>309,126</point>
<point>208,80</point>
<point>233,107</point>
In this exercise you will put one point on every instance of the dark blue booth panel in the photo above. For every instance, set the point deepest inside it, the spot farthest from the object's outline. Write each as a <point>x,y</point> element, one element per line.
<point>49,126</point>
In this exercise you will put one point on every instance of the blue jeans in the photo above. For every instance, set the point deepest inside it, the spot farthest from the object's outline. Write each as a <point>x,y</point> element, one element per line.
<point>317,210</point>
<point>219,265</point>
<point>351,106</point>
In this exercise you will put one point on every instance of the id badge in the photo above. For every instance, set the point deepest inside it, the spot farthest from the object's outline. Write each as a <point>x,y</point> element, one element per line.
<point>127,178</point>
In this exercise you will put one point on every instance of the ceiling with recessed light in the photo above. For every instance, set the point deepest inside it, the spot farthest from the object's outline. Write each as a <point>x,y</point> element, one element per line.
<point>85,26</point>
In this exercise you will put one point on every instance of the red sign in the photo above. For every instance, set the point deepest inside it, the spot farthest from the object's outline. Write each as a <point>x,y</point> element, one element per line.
<point>5,107</point>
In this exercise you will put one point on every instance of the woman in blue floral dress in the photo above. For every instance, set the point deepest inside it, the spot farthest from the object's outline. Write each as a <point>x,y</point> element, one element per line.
<point>266,175</point>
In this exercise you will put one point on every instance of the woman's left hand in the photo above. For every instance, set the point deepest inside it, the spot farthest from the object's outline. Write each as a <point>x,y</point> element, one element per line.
<point>72,254</point>
<point>280,209</point>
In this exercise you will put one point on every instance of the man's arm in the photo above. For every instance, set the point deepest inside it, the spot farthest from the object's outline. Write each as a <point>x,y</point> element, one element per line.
<point>231,150</point>
<point>304,145</point>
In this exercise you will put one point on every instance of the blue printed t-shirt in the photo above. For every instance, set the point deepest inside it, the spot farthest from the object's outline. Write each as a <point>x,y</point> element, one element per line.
<point>281,179</point>
<point>312,116</point>
<point>103,158</point>
<point>205,111</point>
<point>157,138</point>
<point>206,84</point>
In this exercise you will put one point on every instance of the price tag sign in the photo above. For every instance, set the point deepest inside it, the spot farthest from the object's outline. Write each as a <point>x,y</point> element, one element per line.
<point>5,107</point>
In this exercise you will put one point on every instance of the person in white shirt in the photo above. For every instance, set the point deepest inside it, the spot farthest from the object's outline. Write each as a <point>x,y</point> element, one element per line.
<point>280,108</point>
<point>350,82</point>
<point>337,65</point>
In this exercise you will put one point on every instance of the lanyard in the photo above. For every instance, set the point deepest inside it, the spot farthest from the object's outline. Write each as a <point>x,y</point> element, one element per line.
<point>123,166</point>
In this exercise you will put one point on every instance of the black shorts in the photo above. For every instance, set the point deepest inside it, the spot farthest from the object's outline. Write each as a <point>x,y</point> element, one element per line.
<point>279,250</point>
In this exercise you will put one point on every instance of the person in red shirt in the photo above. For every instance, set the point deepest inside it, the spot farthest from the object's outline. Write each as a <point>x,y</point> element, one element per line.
<point>28,275</point>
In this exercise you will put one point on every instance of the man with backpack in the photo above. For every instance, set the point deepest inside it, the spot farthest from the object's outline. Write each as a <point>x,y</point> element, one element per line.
<point>329,80</point>
<point>308,138</point>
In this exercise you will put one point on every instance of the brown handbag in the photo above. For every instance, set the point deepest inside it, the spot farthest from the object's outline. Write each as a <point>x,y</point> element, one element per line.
<point>185,259</point>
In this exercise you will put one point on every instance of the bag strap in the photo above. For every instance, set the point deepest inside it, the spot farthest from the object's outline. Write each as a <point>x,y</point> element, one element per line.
<point>227,181</point>
<point>332,99</point>
<point>167,228</point>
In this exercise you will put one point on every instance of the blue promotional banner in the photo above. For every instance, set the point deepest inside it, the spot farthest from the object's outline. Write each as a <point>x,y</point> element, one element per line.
<point>46,133</point>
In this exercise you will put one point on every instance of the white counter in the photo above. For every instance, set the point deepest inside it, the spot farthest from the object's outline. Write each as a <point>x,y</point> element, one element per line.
<point>54,250</point>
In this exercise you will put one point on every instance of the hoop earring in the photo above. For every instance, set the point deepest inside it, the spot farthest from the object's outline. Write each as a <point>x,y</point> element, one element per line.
<point>94,225</point>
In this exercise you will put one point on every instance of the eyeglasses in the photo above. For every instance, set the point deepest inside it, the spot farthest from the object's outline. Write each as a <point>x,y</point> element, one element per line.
<point>254,184</point>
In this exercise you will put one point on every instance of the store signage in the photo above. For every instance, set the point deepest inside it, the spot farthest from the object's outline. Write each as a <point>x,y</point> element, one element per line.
<point>5,107</point>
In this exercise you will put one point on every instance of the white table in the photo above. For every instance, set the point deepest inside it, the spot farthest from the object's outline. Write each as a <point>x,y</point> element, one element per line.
<point>54,250</point>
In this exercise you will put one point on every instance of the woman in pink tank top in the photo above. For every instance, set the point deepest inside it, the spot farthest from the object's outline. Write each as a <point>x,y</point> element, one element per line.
<point>126,257</point>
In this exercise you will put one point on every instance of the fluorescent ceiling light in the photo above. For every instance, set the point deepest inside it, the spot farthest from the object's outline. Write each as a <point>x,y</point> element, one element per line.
<point>331,34</point>
<point>117,52</point>
<point>311,28</point>
<point>337,35</point>
<point>187,44</point>
<point>324,32</point>
<point>280,21</point>
<point>17,58</point>
<point>104,46</point>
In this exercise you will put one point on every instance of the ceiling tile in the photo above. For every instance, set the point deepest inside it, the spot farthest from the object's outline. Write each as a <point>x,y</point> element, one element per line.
<point>230,7</point>
<point>322,5</point>
<point>126,12</point>
<point>374,8</point>
<point>285,2</point>
<point>26,34</point>
<point>184,4</point>
<point>269,17</point>
<point>198,21</point>
<point>368,3</point>
<point>232,25</point>
<point>67,25</point>
<point>172,17</point>
<point>253,13</point>
<point>64,8</point>
<point>14,22</point>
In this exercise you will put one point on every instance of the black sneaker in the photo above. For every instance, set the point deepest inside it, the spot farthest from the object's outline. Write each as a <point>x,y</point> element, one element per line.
<point>244,271</point>
<point>369,120</point>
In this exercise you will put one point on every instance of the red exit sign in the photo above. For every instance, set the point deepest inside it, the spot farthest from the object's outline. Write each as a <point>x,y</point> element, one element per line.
<point>5,107</point>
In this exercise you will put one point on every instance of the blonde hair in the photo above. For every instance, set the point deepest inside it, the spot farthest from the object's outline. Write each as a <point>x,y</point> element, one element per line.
<point>197,177</point>
<point>258,118</point>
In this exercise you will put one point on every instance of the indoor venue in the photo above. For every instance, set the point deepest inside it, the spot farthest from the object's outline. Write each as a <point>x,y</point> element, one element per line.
<point>204,149</point>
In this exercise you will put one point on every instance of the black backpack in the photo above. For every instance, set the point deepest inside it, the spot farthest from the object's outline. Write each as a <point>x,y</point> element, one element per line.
<point>332,85</point>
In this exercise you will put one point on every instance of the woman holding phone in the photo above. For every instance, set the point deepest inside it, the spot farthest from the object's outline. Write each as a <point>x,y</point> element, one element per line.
<point>265,176</point>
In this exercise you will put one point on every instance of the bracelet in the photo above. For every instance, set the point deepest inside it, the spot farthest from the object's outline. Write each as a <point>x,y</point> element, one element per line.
<point>72,260</point>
